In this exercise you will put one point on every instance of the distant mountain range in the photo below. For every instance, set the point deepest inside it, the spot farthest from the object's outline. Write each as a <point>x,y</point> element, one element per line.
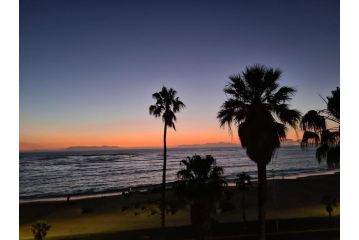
<point>204,145</point>
<point>228,144</point>
<point>218,144</point>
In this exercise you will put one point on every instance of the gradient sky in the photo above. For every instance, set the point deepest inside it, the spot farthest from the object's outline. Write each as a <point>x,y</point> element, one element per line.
<point>88,68</point>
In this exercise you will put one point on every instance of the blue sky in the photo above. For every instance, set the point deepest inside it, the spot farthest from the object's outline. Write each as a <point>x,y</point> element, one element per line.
<point>88,68</point>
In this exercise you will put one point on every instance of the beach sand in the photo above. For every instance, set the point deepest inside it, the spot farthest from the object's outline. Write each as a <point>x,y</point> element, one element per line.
<point>289,198</point>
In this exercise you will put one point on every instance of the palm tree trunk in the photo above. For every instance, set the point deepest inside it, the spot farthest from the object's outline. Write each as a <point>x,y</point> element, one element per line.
<point>244,210</point>
<point>194,212</point>
<point>163,202</point>
<point>330,218</point>
<point>262,185</point>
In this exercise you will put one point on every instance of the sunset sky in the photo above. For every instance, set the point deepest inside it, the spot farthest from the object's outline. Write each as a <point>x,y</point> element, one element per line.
<point>88,68</point>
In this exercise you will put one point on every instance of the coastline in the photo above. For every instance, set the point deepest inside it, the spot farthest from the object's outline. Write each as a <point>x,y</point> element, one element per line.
<point>169,185</point>
<point>105,214</point>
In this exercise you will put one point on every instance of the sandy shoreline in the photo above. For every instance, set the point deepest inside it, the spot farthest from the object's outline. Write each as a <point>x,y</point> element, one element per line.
<point>147,188</point>
<point>287,198</point>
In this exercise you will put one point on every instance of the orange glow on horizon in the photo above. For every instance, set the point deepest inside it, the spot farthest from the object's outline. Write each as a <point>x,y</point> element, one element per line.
<point>145,139</point>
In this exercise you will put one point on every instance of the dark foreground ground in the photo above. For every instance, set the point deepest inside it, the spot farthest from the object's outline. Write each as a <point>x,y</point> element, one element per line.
<point>291,229</point>
<point>296,202</point>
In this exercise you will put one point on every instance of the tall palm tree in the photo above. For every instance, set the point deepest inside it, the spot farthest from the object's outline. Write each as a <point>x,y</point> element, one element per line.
<point>314,125</point>
<point>201,184</point>
<point>259,108</point>
<point>243,182</point>
<point>167,104</point>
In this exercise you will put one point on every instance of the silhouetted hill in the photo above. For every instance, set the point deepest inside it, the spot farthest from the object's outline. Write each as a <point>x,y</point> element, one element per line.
<point>287,142</point>
<point>219,144</point>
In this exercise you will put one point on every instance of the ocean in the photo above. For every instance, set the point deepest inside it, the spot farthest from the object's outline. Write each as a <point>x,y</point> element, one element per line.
<point>58,174</point>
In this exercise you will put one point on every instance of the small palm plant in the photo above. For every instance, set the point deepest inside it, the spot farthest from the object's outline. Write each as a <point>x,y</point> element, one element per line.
<point>243,183</point>
<point>201,184</point>
<point>39,229</point>
<point>329,203</point>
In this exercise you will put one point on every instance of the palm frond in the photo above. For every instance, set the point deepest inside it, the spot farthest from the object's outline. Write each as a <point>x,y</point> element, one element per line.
<point>281,130</point>
<point>185,174</point>
<point>283,94</point>
<point>236,88</point>
<point>172,93</point>
<point>322,152</point>
<point>328,137</point>
<point>333,156</point>
<point>172,125</point>
<point>157,96</point>
<point>216,172</point>
<point>288,116</point>
<point>178,105</point>
<point>169,118</point>
<point>156,110</point>
<point>167,104</point>
<point>225,116</point>
<point>313,121</point>
<point>185,162</point>
<point>333,105</point>
<point>253,76</point>
<point>270,84</point>
<point>231,110</point>
<point>310,138</point>
<point>165,95</point>
<point>233,103</point>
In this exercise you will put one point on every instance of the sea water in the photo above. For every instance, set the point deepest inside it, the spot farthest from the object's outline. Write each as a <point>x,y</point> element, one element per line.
<point>56,174</point>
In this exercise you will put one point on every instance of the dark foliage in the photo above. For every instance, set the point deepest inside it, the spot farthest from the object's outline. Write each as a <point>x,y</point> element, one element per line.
<point>258,106</point>
<point>39,229</point>
<point>200,184</point>
<point>316,132</point>
<point>330,203</point>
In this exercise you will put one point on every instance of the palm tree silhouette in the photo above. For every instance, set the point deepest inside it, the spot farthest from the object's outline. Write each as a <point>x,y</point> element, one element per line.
<point>329,202</point>
<point>259,108</point>
<point>202,185</point>
<point>39,229</point>
<point>167,104</point>
<point>315,130</point>
<point>243,182</point>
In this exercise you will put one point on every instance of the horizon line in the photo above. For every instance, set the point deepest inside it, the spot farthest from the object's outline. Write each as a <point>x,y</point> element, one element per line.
<point>115,147</point>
